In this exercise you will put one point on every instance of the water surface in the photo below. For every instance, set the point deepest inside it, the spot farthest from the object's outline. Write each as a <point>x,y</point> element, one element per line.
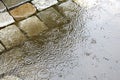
<point>85,49</point>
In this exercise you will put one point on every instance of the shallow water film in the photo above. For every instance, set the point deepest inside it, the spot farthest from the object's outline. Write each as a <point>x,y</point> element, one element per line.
<point>87,48</point>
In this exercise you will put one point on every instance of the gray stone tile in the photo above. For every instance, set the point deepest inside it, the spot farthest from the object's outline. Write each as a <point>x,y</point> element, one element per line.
<point>32,26</point>
<point>2,7</point>
<point>11,36</point>
<point>1,48</point>
<point>5,19</point>
<point>13,3</point>
<point>52,18</point>
<point>43,4</point>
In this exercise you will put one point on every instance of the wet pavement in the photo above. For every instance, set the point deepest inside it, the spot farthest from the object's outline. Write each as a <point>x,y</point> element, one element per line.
<point>85,49</point>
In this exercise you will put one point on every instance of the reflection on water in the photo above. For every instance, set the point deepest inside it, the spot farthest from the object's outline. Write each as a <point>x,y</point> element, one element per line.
<point>85,49</point>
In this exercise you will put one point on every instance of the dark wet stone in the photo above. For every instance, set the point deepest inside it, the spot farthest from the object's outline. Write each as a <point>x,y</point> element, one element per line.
<point>68,8</point>
<point>52,18</point>
<point>32,26</point>
<point>1,48</point>
<point>62,0</point>
<point>11,36</point>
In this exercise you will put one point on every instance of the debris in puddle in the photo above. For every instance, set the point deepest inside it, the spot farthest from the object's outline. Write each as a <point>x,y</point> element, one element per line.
<point>88,54</point>
<point>105,58</point>
<point>93,41</point>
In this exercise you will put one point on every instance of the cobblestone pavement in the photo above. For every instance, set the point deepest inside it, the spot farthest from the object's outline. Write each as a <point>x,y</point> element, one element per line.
<point>23,19</point>
<point>87,48</point>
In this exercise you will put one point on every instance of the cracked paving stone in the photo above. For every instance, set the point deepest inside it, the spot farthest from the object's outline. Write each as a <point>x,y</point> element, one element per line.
<point>10,78</point>
<point>2,7</point>
<point>32,26</point>
<point>52,18</point>
<point>1,48</point>
<point>11,36</point>
<point>5,19</point>
<point>23,11</point>
<point>43,4</point>
<point>13,3</point>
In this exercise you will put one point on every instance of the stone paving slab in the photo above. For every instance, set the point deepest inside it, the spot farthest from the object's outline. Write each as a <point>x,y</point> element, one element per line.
<point>43,4</point>
<point>68,7</point>
<point>2,7</point>
<point>1,48</point>
<point>52,18</point>
<point>23,11</point>
<point>11,36</point>
<point>32,26</point>
<point>13,3</point>
<point>5,19</point>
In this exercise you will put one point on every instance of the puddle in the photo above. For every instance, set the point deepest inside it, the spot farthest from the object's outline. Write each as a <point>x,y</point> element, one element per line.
<point>85,49</point>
